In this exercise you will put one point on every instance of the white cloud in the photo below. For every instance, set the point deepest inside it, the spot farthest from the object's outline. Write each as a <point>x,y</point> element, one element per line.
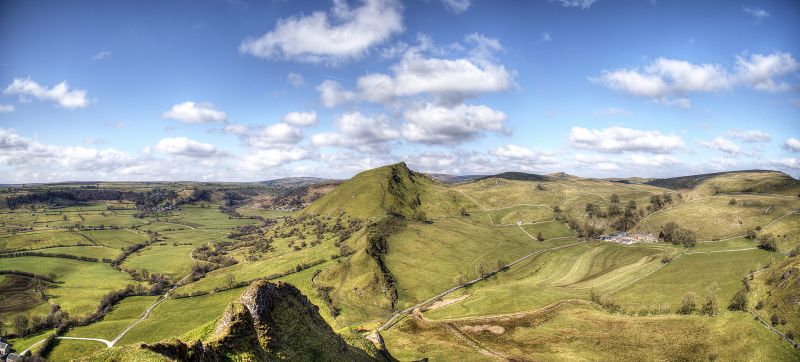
<point>359,132</point>
<point>295,79</point>
<point>275,135</point>
<point>447,79</point>
<point>437,124</point>
<point>274,157</point>
<point>522,154</point>
<point>237,129</point>
<point>102,55</point>
<point>545,38</point>
<point>191,112</point>
<point>61,94</point>
<point>669,81</point>
<point>792,144</point>
<point>788,162</point>
<point>457,6</point>
<point>332,94</point>
<point>758,14</point>
<point>759,71</point>
<point>182,146</point>
<point>6,108</point>
<point>620,139</point>
<point>583,4</point>
<point>342,33</point>
<point>722,144</point>
<point>750,136</point>
<point>300,119</point>
<point>722,163</point>
<point>654,160</point>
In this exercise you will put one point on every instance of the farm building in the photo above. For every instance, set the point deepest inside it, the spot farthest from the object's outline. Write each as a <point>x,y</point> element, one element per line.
<point>13,357</point>
<point>623,237</point>
<point>5,349</point>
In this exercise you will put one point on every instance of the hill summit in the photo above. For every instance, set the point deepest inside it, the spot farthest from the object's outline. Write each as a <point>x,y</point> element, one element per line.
<point>387,190</point>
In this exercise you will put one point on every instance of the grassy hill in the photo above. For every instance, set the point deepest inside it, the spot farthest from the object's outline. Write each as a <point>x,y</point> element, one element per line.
<point>751,181</point>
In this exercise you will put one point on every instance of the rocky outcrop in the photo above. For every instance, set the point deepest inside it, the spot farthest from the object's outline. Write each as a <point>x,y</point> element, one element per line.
<point>270,322</point>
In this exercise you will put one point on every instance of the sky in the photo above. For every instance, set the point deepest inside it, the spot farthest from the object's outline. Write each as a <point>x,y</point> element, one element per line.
<point>244,90</point>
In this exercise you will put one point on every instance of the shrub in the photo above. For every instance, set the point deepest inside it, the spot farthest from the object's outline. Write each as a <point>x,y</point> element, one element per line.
<point>687,305</point>
<point>739,301</point>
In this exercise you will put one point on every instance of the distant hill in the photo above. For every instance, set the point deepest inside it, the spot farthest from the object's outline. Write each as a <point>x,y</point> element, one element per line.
<point>630,180</point>
<point>291,182</point>
<point>518,176</point>
<point>453,179</point>
<point>758,181</point>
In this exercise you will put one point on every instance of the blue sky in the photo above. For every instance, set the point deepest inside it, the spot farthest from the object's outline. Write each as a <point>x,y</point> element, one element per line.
<point>253,90</point>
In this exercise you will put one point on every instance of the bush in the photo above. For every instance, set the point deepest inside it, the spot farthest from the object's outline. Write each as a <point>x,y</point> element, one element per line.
<point>739,301</point>
<point>687,305</point>
<point>767,242</point>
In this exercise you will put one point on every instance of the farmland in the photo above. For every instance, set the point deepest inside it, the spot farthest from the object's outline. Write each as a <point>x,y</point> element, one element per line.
<point>499,267</point>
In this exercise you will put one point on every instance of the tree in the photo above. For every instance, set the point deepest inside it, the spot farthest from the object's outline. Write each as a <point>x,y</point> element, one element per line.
<point>539,236</point>
<point>464,212</point>
<point>592,209</point>
<point>20,324</point>
<point>710,306</point>
<point>631,205</point>
<point>230,280</point>
<point>732,202</point>
<point>666,231</point>
<point>684,237</point>
<point>767,242</point>
<point>739,301</point>
<point>687,305</point>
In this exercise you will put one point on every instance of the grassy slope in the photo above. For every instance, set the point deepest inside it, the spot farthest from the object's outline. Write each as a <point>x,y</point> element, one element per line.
<point>84,283</point>
<point>693,273</point>
<point>564,274</point>
<point>713,217</point>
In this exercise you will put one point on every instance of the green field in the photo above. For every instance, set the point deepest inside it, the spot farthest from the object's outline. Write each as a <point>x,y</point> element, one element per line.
<point>81,284</point>
<point>568,273</point>
<point>170,260</point>
<point>693,273</point>
<point>40,239</point>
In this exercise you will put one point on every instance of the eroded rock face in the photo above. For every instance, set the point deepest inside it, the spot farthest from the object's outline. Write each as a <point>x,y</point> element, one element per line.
<point>270,322</point>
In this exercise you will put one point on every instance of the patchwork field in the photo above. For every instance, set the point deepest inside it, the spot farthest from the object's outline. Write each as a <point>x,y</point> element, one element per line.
<point>523,281</point>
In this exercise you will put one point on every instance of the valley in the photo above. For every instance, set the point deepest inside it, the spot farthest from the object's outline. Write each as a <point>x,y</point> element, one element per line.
<point>394,264</point>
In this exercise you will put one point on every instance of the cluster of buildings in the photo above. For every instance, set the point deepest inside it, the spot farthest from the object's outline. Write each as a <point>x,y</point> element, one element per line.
<point>6,355</point>
<point>623,237</point>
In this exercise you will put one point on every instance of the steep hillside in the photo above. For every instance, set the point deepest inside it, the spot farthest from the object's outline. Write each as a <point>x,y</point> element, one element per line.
<point>775,297</point>
<point>270,322</point>
<point>392,189</point>
<point>751,181</point>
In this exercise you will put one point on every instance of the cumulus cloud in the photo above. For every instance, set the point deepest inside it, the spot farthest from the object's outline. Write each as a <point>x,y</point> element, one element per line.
<point>278,134</point>
<point>788,162</point>
<point>523,154</point>
<point>339,34</point>
<point>722,144</point>
<point>6,108</point>
<point>457,6</point>
<point>620,139</point>
<point>359,132</point>
<point>295,79</point>
<point>300,119</point>
<point>654,160</point>
<point>756,13</point>
<point>435,124</point>
<point>332,94</point>
<point>191,112</point>
<point>60,93</point>
<point>759,71</point>
<point>182,146</point>
<point>583,4</point>
<point>273,157</point>
<point>792,144</point>
<point>669,81</point>
<point>447,79</point>
<point>750,136</point>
